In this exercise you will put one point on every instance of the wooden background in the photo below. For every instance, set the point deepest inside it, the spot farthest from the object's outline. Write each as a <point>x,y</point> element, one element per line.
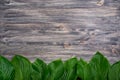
<point>52,29</point>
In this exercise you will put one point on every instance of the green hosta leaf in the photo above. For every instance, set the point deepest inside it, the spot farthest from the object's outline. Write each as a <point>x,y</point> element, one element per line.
<point>97,69</point>
<point>70,72</point>
<point>23,68</point>
<point>88,73</point>
<point>114,72</point>
<point>6,69</point>
<point>35,75</point>
<point>40,70</point>
<point>56,70</point>
<point>80,68</point>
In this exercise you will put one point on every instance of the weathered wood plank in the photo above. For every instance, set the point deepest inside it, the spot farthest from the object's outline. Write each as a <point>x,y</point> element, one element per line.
<point>51,29</point>
<point>69,3</point>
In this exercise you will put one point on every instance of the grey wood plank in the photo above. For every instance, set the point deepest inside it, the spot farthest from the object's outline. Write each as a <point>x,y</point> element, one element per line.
<point>51,29</point>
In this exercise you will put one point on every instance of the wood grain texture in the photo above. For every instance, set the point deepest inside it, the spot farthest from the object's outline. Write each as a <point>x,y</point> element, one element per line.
<point>51,29</point>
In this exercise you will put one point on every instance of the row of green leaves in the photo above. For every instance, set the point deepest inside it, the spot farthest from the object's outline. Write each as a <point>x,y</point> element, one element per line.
<point>20,68</point>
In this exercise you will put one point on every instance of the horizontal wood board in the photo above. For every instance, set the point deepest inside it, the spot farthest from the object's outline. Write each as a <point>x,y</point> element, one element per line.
<point>52,29</point>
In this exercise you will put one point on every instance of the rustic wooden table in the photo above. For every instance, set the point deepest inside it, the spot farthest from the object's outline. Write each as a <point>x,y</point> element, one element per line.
<point>51,29</point>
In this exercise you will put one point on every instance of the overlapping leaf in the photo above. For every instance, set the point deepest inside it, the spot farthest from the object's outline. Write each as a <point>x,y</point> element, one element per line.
<point>80,68</point>
<point>114,72</point>
<point>97,69</point>
<point>6,69</point>
<point>23,68</point>
<point>40,70</point>
<point>56,70</point>
<point>70,72</point>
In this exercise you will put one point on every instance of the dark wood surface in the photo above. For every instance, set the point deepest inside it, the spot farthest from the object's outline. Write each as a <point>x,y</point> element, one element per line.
<point>51,29</point>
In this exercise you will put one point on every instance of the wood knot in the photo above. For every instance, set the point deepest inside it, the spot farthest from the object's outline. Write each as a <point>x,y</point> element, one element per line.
<point>62,27</point>
<point>66,45</point>
<point>114,51</point>
<point>100,3</point>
